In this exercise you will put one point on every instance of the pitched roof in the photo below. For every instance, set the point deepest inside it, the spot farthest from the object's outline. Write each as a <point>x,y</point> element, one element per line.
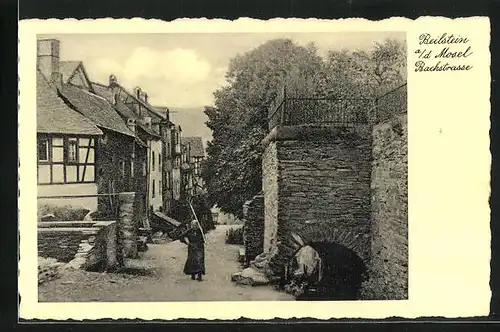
<point>126,112</point>
<point>55,117</point>
<point>103,90</point>
<point>95,108</point>
<point>67,68</point>
<point>197,149</point>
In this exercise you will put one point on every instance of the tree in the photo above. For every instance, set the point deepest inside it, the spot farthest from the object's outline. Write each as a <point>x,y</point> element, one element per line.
<point>367,74</point>
<point>239,120</point>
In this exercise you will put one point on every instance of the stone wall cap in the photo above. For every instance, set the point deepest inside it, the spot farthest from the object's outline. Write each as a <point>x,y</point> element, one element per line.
<point>315,132</point>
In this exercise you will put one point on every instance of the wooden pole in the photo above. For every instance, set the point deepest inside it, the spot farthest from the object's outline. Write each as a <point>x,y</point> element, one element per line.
<point>199,226</point>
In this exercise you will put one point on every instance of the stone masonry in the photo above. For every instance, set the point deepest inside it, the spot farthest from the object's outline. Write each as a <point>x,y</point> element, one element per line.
<point>253,234</point>
<point>389,264</point>
<point>316,183</point>
<point>87,245</point>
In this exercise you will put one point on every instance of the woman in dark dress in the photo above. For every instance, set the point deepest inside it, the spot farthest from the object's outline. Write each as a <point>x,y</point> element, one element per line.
<point>195,263</point>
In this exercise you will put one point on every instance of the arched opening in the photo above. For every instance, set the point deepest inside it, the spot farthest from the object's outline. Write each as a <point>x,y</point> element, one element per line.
<point>338,276</point>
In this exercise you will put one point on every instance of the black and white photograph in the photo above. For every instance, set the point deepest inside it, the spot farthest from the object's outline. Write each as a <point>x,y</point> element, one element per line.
<point>222,167</point>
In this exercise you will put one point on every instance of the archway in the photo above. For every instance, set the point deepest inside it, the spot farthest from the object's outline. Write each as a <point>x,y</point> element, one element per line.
<point>343,272</point>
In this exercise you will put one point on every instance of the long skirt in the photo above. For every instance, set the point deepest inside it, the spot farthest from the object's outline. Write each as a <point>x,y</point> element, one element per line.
<point>195,262</point>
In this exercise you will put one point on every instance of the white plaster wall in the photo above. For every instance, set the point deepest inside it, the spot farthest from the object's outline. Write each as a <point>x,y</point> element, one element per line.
<point>157,201</point>
<point>89,203</point>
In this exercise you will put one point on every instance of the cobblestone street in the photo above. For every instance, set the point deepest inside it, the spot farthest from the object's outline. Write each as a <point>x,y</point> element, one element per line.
<point>158,276</point>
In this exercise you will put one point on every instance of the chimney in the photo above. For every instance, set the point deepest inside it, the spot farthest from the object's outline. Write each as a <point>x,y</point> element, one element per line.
<point>112,80</point>
<point>137,92</point>
<point>145,97</point>
<point>131,124</point>
<point>147,121</point>
<point>48,59</point>
<point>168,114</point>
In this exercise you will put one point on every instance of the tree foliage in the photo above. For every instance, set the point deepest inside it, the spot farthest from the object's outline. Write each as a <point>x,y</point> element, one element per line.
<point>239,118</point>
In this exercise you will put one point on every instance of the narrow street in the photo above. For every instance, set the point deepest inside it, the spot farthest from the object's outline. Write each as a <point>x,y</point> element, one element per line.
<point>158,276</point>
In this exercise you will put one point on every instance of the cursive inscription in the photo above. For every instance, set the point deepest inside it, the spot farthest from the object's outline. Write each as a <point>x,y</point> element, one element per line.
<point>444,52</point>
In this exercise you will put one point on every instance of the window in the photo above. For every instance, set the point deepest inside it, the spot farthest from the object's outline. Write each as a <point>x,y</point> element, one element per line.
<point>65,160</point>
<point>72,152</point>
<point>159,162</point>
<point>43,149</point>
<point>196,167</point>
<point>144,168</point>
<point>122,168</point>
<point>168,183</point>
<point>132,168</point>
<point>159,187</point>
<point>154,188</point>
<point>153,161</point>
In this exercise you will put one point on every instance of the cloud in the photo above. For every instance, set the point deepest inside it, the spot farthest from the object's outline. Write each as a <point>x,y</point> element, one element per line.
<point>176,78</point>
<point>181,65</point>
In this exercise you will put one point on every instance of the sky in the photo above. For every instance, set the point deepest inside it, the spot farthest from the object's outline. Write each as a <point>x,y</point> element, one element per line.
<point>181,71</point>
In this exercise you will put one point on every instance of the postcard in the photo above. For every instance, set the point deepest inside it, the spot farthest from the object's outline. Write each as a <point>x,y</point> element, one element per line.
<point>212,168</point>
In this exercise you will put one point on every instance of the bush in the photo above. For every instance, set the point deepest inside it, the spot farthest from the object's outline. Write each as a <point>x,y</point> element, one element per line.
<point>62,213</point>
<point>234,236</point>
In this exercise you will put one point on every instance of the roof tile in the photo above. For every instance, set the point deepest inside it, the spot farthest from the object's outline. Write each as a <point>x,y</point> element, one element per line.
<point>95,108</point>
<point>54,116</point>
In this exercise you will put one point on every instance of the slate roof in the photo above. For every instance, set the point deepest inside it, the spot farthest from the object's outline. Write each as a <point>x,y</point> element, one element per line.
<point>55,117</point>
<point>197,149</point>
<point>67,68</point>
<point>106,92</point>
<point>126,112</point>
<point>103,90</point>
<point>95,108</point>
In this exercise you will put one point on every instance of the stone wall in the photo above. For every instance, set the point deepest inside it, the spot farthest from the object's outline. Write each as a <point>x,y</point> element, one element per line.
<point>88,245</point>
<point>253,235</point>
<point>389,264</point>
<point>323,182</point>
<point>61,244</point>
<point>270,189</point>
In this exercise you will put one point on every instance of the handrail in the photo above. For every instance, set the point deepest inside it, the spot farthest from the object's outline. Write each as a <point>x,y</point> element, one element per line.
<point>82,196</point>
<point>295,110</point>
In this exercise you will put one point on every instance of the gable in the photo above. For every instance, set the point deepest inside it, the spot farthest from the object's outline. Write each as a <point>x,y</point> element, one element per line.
<point>79,79</point>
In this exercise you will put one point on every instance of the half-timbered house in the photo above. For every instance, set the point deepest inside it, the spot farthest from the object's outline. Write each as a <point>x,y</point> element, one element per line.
<point>66,143</point>
<point>196,156</point>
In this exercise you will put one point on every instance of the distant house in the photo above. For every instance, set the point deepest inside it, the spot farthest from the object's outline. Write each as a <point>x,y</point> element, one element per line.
<point>169,191</point>
<point>196,154</point>
<point>186,170</point>
<point>66,144</point>
<point>177,156</point>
